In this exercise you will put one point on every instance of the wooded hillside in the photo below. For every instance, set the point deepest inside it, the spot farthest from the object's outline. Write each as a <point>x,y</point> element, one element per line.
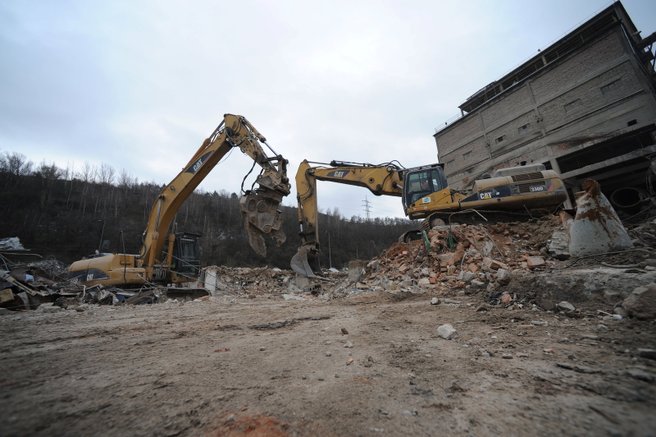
<point>64,214</point>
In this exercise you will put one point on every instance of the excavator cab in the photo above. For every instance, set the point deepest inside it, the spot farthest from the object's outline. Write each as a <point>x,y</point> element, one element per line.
<point>184,262</point>
<point>421,181</point>
<point>186,254</point>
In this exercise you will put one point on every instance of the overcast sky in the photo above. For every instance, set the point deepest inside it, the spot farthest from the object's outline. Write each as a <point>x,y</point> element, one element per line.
<point>139,84</point>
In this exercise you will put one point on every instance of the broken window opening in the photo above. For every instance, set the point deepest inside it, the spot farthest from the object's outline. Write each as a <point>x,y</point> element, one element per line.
<point>605,89</point>
<point>524,128</point>
<point>573,105</point>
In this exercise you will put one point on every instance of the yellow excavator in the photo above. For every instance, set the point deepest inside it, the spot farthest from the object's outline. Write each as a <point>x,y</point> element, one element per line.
<point>515,192</point>
<point>180,261</point>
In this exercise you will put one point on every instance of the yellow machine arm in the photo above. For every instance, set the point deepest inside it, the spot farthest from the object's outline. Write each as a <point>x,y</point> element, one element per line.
<point>234,131</point>
<point>383,179</point>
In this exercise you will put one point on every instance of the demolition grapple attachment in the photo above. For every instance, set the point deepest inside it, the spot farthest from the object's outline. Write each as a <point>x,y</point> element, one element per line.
<point>262,216</point>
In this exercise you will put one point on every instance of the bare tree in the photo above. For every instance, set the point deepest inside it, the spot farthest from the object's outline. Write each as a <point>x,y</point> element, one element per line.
<point>88,175</point>
<point>48,171</point>
<point>88,172</point>
<point>16,164</point>
<point>69,172</point>
<point>106,174</point>
<point>125,180</point>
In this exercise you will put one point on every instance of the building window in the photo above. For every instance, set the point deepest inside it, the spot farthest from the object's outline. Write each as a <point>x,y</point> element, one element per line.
<point>573,105</point>
<point>523,129</point>
<point>610,86</point>
<point>466,155</point>
<point>500,139</point>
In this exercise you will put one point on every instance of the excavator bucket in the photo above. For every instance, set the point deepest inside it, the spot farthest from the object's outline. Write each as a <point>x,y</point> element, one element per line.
<point>300,263</point>
<point>261,216</point>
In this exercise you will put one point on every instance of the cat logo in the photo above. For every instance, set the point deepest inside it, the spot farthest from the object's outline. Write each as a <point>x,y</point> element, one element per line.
<point>340,173</point>
<point>197,165</point>
<point>485,195</point>
<point>193,168</point>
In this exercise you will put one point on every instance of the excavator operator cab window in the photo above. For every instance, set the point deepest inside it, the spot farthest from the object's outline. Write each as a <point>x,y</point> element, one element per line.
<point>421,183</point>
<point>186,256</point>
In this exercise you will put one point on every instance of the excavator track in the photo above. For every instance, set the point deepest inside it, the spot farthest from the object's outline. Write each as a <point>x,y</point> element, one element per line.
<point>477,217</point>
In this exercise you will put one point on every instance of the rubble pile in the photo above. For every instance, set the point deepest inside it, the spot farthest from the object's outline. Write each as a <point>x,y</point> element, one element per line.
<point>518,259</point>
<point>45,283</point>
<point>644,234</point>
<point>265,281</point>
<point>28,286</point>
<point>49,268</point>
<point>248,281</point>
<point>467,256</point>
<point>11,244</point>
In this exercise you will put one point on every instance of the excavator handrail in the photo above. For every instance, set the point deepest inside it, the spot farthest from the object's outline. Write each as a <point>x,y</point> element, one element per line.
<point>334,163</point>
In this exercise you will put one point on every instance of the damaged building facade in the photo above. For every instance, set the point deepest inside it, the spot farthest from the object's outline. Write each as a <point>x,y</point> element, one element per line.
<point>585,107</point>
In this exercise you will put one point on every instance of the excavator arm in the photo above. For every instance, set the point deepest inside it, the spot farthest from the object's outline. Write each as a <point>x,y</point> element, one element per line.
<point>383,179</point>
<point>259,206</point>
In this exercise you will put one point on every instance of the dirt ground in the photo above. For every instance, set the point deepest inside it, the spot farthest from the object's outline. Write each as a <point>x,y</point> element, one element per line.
<point>366,365</point>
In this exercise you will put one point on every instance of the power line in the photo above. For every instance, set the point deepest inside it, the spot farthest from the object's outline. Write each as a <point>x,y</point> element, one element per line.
<point>366,205</point>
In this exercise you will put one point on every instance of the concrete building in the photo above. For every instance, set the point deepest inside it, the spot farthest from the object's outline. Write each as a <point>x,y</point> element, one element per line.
<point>585,106</point>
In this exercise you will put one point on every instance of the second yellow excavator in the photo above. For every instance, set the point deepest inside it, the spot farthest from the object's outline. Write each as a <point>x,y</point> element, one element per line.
<point>516,191</point>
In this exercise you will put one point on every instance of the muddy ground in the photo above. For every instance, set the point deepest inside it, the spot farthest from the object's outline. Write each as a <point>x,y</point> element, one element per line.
<point>369,364</point>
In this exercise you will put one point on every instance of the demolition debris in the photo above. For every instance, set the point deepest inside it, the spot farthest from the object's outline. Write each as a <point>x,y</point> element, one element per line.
<point>513,263</point>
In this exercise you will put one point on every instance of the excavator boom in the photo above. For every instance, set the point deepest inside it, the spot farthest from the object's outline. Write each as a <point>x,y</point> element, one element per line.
<point>383,179</point>
<point>234,131</point>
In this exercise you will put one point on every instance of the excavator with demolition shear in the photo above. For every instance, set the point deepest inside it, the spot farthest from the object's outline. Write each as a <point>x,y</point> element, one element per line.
<point>171,258</point>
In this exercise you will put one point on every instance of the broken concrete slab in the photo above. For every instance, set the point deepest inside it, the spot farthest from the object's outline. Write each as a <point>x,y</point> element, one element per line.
<point>565,306</point>
<point>641,303</point>
<point>356,270</point>
<point>446,331</point>
<point>534,262</point>
<point>6,295</point>
<point>503,276</point>
<point>575,285</point>
<point>558,246</point>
